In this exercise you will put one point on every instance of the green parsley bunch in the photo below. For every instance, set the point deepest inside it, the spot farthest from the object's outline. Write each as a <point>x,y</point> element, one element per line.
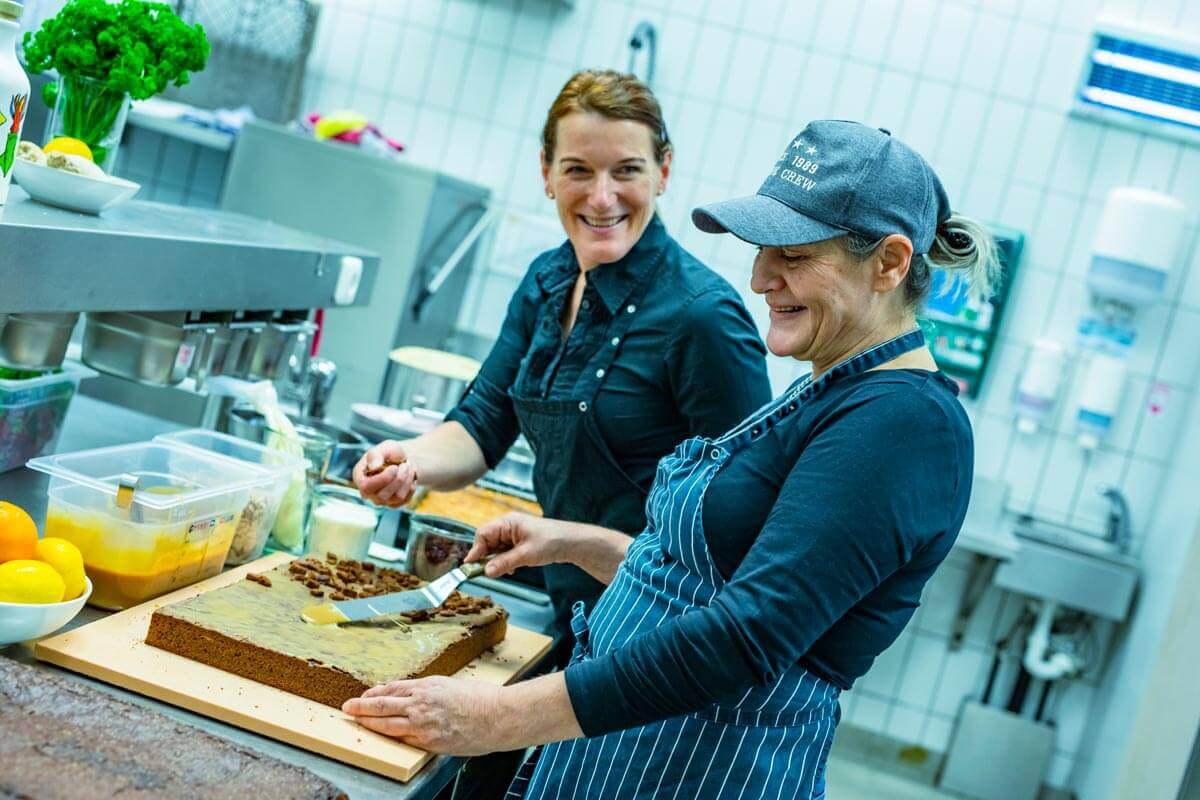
<point>131,46</point>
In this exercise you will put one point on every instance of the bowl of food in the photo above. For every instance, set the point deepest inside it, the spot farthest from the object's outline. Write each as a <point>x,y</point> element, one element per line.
<point>66,177</point>
<point>436,545</point>
<point>43,583</point>
<point>20,622</point>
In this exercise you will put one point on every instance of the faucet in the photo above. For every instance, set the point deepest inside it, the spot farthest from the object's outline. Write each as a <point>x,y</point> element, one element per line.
<point>1117,526</point>
<point>644,35</point>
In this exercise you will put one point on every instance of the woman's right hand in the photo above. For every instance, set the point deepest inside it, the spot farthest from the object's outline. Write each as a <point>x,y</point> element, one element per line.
<point>519,540</point>
<point>385,475</point>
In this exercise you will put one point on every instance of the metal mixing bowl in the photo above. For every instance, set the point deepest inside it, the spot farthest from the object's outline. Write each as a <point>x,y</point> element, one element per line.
<point>435,545</point>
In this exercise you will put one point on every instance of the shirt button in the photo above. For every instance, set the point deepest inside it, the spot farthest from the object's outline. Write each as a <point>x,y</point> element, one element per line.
<point>715,454</point>
<point>587,304</point>
<point>629,309</point>
<point>582,406</point>
<point>616,340</point>
<point>599,373</point>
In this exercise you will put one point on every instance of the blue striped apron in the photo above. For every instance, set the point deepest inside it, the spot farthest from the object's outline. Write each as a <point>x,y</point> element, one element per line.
<point>769,745</point>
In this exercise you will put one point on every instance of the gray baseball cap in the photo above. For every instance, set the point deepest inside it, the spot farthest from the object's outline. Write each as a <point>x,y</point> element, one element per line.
<point>836,177</point>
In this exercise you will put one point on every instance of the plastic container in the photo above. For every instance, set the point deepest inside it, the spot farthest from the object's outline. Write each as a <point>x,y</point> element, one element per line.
<point>173,529</point>
<point>1099,398</point>
<point>1040,384</point>
<point>261,509</point>
<point>341,522</point>
<point>32,411</point>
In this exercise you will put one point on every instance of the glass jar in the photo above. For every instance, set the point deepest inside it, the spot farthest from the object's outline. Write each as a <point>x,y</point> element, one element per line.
<point>87,110</point>
<point>316,448</point>
<point>341,522</point>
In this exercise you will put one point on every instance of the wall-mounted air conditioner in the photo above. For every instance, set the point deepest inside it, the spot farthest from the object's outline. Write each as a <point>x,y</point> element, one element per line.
<point>1142,77</point>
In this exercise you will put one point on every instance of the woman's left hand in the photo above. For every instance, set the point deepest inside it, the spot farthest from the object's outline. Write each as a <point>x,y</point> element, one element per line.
<point>441,715</point>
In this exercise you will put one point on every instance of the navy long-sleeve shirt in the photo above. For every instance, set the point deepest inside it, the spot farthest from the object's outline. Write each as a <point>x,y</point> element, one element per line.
<point>692,364</point>
<point>827,529</point>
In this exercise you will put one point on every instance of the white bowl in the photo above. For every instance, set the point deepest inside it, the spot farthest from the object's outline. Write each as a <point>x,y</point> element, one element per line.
<point>20,622</point>
<point>57,187</point>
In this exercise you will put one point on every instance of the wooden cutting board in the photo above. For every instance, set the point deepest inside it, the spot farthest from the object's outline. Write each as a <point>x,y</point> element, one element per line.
<point>114,650</point>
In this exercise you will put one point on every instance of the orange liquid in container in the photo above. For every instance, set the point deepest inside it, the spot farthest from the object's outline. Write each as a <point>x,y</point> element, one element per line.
<point>131,562</point>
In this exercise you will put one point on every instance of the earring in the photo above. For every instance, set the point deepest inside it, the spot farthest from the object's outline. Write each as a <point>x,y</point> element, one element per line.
<point>550,195</point>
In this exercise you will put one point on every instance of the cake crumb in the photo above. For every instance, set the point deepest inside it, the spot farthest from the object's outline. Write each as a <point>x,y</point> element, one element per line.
<point>260,579</point>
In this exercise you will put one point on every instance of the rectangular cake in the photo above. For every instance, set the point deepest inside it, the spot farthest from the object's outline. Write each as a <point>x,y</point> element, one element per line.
<point>253,628</point>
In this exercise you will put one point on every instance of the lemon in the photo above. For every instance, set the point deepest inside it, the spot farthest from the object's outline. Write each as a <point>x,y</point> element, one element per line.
<point>66,560</point>
<point>68,146</point>
<point>24,581</point>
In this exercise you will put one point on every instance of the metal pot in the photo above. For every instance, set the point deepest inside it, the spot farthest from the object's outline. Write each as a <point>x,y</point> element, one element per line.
<point>247,423</point>
<point>138,347</point>
<point>418,377</point>
<point>35,341</point>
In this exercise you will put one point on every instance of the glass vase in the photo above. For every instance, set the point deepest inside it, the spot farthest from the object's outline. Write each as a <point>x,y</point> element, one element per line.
<point>86,109</point>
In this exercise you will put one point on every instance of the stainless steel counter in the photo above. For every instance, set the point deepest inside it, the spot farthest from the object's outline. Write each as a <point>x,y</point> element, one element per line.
<point>93,423</point>
<point>155,257</point>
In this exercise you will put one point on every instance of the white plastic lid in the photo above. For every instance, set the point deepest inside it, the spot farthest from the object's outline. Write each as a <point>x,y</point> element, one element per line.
<point>274,462</point>
<point>192,474</point>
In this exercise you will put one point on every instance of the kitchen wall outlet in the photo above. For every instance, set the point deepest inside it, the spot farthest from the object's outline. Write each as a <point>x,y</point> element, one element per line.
<point>350,272</point>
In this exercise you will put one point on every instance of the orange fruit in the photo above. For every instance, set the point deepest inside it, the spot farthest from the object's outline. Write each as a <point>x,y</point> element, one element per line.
<point>68,146</point>
<point>18,533</point>
<point>67,562</point>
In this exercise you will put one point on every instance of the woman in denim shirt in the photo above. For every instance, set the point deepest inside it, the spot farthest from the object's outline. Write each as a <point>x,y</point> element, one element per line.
<point>616,345</point>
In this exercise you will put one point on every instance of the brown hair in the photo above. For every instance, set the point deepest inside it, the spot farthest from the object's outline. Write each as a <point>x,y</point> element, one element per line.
<point>611,94</point>
<point>961,245</point>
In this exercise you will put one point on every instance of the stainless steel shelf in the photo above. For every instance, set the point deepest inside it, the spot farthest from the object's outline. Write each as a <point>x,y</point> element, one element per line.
<point>155,257</point>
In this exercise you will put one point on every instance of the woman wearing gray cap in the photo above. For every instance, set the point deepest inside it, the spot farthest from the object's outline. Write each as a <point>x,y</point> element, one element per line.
<point>778,559</point>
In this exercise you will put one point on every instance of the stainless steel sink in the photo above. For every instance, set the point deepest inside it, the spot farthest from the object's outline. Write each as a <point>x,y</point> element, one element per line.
<point>1071,568</point>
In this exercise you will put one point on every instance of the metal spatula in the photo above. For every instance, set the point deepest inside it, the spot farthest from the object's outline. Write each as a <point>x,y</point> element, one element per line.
<point>431,595</point>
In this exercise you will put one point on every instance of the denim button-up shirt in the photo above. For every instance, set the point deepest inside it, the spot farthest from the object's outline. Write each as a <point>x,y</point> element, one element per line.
<point>691,362</point>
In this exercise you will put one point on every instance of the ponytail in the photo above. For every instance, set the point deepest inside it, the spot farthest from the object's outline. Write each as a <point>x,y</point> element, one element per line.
<point>961,245</point>
<point>966,247</point>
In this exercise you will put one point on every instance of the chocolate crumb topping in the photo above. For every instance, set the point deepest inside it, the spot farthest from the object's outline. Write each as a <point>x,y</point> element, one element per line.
<point>347,579</point>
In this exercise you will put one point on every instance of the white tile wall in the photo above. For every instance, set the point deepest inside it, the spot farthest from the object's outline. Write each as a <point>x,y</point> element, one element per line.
<point>981,87</point>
